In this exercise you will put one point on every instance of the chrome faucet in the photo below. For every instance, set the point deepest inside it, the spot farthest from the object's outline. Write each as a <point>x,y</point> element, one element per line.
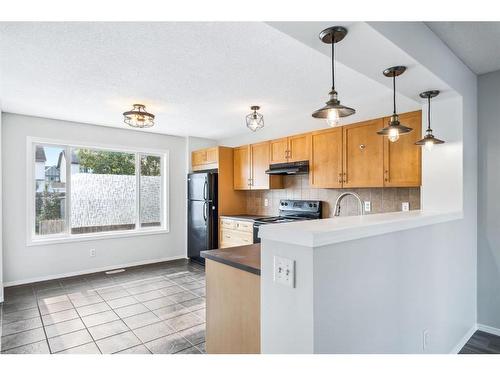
<point>342,196</point>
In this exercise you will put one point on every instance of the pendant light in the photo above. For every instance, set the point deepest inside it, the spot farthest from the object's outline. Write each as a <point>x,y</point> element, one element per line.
<point>394,129</point>
<point>255,120</point>
<point>333,110</point>
<point>429,140</point>
<point>138,117</point>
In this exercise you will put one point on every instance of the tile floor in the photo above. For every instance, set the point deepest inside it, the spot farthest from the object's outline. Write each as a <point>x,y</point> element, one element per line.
<point>158,308</point>
<point>482,343</point>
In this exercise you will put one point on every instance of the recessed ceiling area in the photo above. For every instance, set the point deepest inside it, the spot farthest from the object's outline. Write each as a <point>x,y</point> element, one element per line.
<point>199,79</point>
<point>475,43</point>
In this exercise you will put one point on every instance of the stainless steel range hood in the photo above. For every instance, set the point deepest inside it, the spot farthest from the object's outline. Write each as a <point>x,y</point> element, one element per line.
<point>298,167</point>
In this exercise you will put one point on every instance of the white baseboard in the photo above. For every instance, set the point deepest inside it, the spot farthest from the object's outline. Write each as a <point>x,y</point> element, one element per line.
<point>488,329</point>
<point>92,270</point>
<point>464,340</point>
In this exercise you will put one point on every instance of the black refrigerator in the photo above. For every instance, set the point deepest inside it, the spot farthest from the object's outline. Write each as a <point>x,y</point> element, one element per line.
<point>202,214</point>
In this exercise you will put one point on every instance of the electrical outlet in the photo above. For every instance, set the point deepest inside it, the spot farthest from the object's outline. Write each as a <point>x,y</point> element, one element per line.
<point>92,252</point>
<point>266,202</point>
<point>426,338</point>
<point>284,271</point>
<point>405,206</point>
<point>368,206</point>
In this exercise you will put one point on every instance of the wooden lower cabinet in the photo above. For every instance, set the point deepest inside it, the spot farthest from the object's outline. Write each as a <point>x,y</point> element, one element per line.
<point>235,233</point>
<point>325,166</point>
<point>363,157</point>
<point>233,310</point>
<point>403,159</point>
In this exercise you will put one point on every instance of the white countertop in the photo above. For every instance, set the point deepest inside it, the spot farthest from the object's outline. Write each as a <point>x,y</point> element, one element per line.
<point>315,233</point>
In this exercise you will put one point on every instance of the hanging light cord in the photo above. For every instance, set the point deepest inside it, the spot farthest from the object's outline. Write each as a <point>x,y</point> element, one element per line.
<point>333,62</point>
<point>394,92</point>
<point>429,114</point>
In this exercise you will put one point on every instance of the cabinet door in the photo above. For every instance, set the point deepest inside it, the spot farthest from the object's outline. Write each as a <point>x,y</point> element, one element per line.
<point>403,159</point>
<point>241,160</point>
<point>259,163</point>
<point>211,155</point>
<point>363,155</point>
<point>299,147</point>
<point>325,166</point>
<point>279,150</point>
<point>198,157</point>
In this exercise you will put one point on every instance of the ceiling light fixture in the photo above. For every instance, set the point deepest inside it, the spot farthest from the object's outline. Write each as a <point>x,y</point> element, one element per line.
<point>138,117</point>
<point>333,110</point>
<point>394,129</point>
<point>429,140</point>
<point>255,120</point>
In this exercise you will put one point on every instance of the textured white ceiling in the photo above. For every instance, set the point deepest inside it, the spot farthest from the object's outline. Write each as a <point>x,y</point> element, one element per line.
<point>198,78</point>
<point>475,43</point>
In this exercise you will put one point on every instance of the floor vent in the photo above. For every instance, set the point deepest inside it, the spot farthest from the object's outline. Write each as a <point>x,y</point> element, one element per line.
<point>114,271</point>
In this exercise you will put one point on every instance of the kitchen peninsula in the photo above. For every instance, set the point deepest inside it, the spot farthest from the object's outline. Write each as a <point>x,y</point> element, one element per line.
<point>233,300</point>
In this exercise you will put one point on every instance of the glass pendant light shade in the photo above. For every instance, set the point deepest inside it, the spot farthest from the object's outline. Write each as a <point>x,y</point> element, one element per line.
<point>255,120</point>
<point>138,117</point>
<point>394,129</point>
<point>333,111</point>
<point>429,140</point>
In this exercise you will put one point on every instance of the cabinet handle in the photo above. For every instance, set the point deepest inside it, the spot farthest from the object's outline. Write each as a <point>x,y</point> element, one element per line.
<point>362,147</point>
<point>340,178</point>
<point>345,177</point>
<point>386,175</point>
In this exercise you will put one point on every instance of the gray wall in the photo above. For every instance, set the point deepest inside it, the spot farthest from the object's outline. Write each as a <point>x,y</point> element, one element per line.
<point>24,263</point>
<point>488,201</point>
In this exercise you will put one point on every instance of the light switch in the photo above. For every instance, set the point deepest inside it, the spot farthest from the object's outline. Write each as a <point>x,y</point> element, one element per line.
<point>405,206</point>
<point>284,271</point>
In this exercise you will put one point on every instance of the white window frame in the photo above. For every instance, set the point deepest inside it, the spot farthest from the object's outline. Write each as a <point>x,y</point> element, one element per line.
<point>33,240</point>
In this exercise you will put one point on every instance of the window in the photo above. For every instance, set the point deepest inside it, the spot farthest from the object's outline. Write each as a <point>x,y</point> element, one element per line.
<point>82,191</point>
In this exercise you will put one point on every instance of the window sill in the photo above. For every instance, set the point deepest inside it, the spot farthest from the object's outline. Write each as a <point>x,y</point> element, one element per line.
<point>95,237</point>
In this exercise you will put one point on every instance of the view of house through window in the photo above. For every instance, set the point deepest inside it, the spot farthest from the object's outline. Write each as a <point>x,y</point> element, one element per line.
<point>108,190</point>
<point>50,191</point>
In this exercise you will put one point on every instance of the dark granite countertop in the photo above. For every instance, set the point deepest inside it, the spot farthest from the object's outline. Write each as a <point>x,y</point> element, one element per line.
<point>243,217</point>
<point>246,258</point>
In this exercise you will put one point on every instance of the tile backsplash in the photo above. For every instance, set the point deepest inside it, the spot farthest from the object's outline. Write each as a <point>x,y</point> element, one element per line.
<point>297,187</point>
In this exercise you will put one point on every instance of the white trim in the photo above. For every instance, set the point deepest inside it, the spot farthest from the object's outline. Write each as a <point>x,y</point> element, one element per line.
<point>461,343</point>
<point>33,240</point>
<point>488,329</point>
<point>1,289</point>
<point>91,270</point>
<point>95,237</point>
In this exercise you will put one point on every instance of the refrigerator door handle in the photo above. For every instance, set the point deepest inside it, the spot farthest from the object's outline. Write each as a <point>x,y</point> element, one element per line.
<point>205,190</point>
<point>205,208</point>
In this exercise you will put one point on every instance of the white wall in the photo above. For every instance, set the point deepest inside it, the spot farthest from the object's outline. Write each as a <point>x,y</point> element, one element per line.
<point>489,202</point>
<point>24,263</point>
<point>442,167</point>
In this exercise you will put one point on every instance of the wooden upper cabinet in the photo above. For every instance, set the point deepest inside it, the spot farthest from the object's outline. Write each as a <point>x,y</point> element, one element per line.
<point>207,158</point>
<point>325,166</point>
<point>278,151</point>
<point>212,155</point>
<point>403,159</point>
<point>198,157</point>
<point>363,158</point>
<point>259,163</point>
<point>299,147</point>
<point>241,160</point>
